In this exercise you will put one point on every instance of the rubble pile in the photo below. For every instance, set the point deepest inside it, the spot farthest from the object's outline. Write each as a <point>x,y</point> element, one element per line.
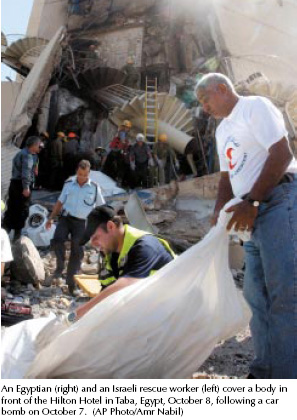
<point>230,359</point>
<point>47,296</point>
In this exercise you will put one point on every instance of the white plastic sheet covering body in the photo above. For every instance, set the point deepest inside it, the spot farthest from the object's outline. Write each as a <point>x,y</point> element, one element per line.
<point>163,326</point>
<point>18,348</point>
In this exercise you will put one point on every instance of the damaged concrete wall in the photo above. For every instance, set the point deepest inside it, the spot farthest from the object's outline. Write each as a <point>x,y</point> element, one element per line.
<point>116,12</point>
<point>115,46</point>
<point>47,17</point>
<point>33,89</point>
<point>9,93</point>
<point>162,38</point>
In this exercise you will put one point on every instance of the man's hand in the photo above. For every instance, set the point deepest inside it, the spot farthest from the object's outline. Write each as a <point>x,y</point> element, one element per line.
<point>48,224</point>
<point>26,192</point>
<point>151,162</point>
<point>244,216</point>
<point>120,284</point>
<point>160,163</point>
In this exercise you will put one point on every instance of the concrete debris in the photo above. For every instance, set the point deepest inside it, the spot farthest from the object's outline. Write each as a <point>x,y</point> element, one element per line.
<point>202,207</point>
<point>27,266</point>
<point>161,216</point>
<point>230,359</point>
<point>33,89</point>
<point>89,268</point>
<point>201,187</point>
<point>31,287</point>
<point>68,103</point>
<point>186,227</point>
<point>136,215</point>
<point>65,302</point>
<point>163,195</point>
<point>93,258</point>
<point>178,245</point>
<point>25,50</point>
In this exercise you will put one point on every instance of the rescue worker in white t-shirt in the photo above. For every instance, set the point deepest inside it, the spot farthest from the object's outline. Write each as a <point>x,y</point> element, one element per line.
<point>257,165</point>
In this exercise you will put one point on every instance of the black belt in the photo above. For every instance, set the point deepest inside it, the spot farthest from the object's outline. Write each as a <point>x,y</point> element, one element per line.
<point>285,179</point>
<point>73,217</point>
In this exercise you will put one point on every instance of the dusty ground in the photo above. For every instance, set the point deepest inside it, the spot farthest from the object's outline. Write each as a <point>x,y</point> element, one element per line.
<point>230,359</point>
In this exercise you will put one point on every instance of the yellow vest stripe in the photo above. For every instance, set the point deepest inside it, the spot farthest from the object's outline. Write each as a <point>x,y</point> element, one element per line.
<point>131,236</point>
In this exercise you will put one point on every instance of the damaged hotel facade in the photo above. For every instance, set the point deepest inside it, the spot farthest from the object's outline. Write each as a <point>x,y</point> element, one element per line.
<point>84,64</point>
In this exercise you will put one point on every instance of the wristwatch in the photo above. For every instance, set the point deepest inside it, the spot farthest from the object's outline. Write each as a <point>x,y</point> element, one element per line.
<point>71,318</point>
<point>253,202</point>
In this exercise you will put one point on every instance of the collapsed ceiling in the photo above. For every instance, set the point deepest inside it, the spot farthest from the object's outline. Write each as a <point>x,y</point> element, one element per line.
<point>33,89</point>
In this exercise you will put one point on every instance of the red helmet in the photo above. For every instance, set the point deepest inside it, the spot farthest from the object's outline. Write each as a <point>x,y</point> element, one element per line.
<point>72,135</point>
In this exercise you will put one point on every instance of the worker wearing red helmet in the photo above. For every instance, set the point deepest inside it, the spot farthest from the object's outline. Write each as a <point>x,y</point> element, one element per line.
<point>117,162</point>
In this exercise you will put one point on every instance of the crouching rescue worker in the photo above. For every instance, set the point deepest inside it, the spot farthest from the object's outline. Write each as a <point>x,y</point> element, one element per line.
<point>130,254</point>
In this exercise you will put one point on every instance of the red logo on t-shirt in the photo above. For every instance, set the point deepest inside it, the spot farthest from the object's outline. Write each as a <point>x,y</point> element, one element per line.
<point>229,157</point>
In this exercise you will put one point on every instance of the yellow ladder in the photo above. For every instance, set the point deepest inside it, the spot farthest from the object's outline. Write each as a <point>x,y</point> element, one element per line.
<point>151,109</point>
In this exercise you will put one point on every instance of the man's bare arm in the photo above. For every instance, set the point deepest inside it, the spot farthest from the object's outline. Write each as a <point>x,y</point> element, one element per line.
<point>120,284</point>
<point>274,168</point>
<point>56,210</point>
<point>279,158</point>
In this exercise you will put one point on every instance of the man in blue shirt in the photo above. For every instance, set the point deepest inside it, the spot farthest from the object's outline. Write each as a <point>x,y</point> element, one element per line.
<point>78,197</point>
<point>24,171</point>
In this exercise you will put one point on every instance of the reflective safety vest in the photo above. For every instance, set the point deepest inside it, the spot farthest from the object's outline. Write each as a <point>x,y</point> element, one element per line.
<point>131,236</point>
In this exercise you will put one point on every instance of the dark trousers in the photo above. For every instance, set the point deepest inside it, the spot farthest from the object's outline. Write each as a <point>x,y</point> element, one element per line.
<point>56,176</point>
<point>113,165</point>
<point>142,174</point>
<point>75,227</point>
<point>17,207</point>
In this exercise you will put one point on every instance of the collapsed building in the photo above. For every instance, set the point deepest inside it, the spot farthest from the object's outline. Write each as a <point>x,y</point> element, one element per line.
<point>84,65</point>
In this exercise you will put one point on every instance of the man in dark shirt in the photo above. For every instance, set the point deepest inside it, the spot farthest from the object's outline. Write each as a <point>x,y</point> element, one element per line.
<point>70,154</point>
<point>130,254</point>
<point>146,255</point>
<point>56,162</point>
<point>140,160</point>
<point>24,171</point>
